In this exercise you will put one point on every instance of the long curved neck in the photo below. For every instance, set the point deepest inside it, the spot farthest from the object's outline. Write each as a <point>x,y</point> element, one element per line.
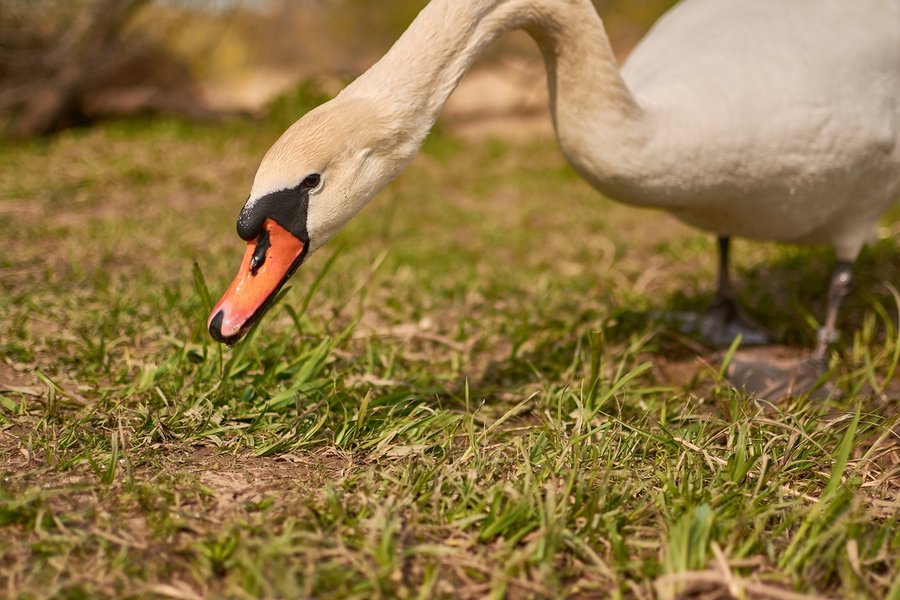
<point>589,102</point>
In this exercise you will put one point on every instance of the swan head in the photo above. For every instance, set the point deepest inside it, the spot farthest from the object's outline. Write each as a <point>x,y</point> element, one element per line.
<point>319,174</point>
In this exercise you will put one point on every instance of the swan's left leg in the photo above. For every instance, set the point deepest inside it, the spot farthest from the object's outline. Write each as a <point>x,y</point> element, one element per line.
<point>725,319</point>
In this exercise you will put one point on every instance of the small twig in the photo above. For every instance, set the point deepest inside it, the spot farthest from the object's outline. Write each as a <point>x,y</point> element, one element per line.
<point>667,585</point>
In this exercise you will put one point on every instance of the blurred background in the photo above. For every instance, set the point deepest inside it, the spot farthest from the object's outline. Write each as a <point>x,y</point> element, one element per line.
<point>66,63</point>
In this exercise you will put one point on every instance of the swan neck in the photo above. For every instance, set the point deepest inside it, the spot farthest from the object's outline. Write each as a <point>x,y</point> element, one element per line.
<point>416,77</point>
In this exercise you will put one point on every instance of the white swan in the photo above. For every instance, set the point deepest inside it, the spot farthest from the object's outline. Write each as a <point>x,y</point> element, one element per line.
<point>766,119</point>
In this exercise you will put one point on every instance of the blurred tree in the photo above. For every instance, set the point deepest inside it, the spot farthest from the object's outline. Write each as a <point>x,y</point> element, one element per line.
<point>67,62</point>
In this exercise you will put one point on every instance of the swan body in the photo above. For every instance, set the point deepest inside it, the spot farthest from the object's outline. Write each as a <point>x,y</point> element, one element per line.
<point>766,119</point>
<point>779,120</point>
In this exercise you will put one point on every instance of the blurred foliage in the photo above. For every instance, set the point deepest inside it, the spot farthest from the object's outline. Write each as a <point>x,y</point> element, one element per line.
<point>315,37</point>
<point>69,63</point>
<point>66,63</point>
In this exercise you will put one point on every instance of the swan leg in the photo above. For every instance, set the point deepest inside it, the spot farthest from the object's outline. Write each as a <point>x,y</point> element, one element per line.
<point>838,288</point>
<point>772,380</point>
<point>725,319</point>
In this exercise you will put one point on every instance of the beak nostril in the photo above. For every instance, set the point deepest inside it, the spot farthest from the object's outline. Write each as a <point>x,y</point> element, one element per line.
<point>256,262</point>
<point>259,254</point>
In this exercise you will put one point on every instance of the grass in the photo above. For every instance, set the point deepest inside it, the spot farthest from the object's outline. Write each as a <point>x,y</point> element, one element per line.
<point>466,394</point>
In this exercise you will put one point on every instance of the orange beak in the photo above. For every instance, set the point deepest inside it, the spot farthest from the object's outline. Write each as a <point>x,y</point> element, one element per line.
<point>268,262</point>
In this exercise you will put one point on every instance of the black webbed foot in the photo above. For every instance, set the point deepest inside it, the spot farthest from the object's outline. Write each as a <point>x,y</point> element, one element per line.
<point>721,324</point>
<point>773,379</point>
<point>724,321</point>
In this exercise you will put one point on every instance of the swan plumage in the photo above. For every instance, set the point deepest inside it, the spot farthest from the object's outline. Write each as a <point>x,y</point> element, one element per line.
<point>792,105</point>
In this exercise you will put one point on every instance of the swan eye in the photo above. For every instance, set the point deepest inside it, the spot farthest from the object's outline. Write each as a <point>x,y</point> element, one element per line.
<point>311,181</point>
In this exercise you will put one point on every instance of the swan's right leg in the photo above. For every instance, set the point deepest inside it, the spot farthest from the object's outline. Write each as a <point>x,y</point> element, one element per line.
<point>770,380</point>
<point>838,288</point>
